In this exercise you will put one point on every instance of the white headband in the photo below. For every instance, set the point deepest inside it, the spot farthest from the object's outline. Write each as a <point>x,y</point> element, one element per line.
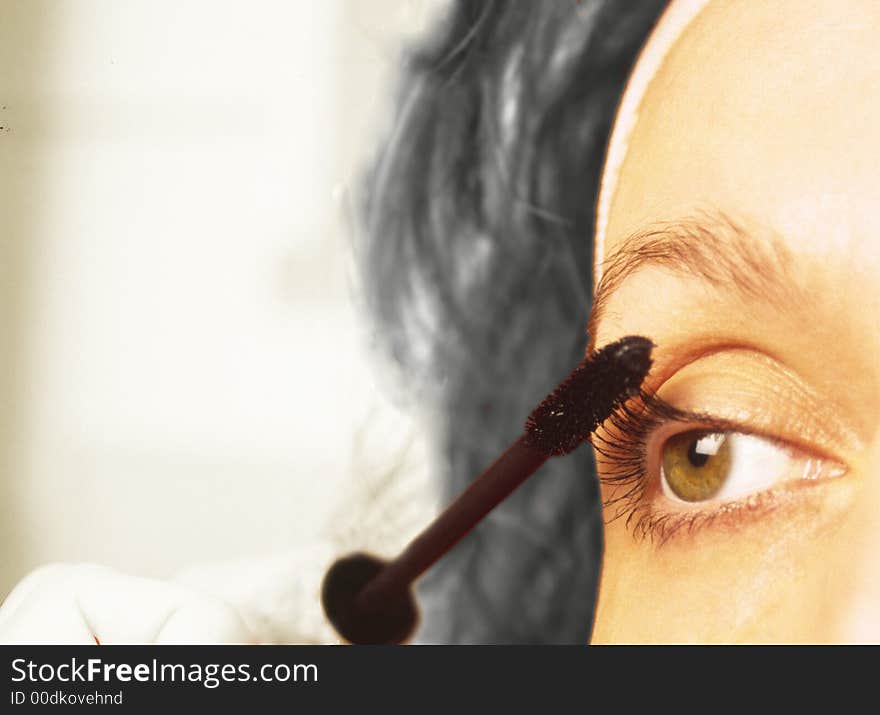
<point>677,16</point>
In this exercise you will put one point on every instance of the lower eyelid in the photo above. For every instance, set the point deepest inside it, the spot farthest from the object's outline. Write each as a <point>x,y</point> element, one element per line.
<point>662,525</point>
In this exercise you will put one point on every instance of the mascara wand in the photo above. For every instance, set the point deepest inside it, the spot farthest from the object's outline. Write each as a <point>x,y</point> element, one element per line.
<point>370,601</point>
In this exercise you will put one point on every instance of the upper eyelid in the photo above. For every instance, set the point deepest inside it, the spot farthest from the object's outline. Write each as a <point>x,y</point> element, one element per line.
<point>836,437</point>
<point>671,359</point>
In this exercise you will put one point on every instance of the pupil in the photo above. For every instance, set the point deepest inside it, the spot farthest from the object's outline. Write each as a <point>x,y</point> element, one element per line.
<point>697,459</point>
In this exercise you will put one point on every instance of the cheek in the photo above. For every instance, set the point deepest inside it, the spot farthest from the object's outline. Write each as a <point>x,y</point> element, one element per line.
<point>768,582</point>
<point>857,617</point>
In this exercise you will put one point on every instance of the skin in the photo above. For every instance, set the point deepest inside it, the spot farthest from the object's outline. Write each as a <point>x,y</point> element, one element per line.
<point>92,605</point>
<point>767,112</point>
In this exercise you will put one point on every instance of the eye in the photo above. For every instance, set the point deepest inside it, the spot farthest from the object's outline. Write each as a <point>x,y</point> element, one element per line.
<point>698,466</point>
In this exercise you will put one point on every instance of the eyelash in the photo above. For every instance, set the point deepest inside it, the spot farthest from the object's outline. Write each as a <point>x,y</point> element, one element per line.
<point>623,445</point>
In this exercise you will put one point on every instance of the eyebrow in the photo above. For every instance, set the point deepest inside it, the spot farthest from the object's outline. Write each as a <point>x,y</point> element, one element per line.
<point>712,247</point>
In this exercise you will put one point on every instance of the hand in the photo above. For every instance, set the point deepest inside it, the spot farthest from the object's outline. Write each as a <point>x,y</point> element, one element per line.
<point>87,604</point>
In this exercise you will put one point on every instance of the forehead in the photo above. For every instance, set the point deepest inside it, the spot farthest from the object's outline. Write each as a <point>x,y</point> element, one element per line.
<point>769,110</point>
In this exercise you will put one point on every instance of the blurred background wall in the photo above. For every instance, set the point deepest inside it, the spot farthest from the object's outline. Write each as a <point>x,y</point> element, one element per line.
<point>184,375</point>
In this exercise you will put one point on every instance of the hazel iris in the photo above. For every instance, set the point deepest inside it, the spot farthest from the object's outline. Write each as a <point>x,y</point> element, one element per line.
<point>696,464</point>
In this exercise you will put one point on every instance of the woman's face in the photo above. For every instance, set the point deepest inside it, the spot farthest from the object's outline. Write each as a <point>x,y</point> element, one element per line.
<point>743,238</point>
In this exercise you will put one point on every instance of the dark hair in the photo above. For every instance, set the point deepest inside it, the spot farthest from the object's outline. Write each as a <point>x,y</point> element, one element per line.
<point>476,266</point>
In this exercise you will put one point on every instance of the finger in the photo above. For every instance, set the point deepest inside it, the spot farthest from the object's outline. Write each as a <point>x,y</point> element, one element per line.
<point>87,604</point>
<point>40,610</point>
<point>131,609</point>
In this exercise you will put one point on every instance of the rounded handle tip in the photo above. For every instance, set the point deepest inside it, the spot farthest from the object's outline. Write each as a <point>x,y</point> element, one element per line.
<point>392,623</point>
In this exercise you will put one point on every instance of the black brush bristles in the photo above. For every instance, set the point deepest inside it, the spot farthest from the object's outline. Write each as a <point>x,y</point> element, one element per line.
<point>586,398</point>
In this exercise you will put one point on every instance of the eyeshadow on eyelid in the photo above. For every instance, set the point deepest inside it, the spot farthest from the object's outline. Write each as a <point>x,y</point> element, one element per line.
<point>755,390</point>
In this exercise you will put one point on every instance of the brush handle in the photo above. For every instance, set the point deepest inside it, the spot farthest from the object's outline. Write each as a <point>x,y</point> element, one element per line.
<point>486,492</point>
<point>369,601</point>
